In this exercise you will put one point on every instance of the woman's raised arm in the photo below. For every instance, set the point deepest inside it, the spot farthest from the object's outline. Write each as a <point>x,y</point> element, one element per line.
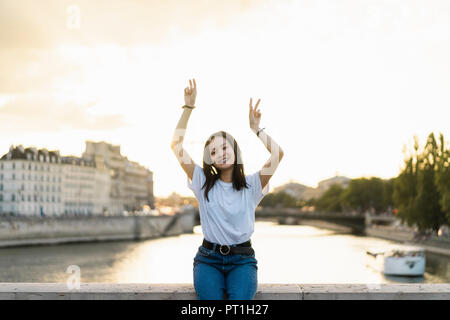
<point>276,153</point>
<point>190,93</point>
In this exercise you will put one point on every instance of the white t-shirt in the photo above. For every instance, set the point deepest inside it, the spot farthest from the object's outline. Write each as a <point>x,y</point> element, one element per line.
<point>229,216</point>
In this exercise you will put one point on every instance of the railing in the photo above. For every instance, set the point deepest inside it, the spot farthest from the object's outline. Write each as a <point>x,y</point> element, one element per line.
<point>103,291</point>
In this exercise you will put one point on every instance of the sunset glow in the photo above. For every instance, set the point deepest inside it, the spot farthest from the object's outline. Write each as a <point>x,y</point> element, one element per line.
<point>343,85</point>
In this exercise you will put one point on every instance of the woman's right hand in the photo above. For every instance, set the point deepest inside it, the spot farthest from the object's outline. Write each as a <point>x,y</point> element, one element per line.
<point>190,93</point>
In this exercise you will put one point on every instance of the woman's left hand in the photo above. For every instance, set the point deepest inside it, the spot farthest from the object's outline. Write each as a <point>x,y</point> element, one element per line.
<point>254,116</point>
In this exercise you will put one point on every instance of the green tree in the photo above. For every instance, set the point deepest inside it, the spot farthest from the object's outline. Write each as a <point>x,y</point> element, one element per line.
<point>363,194</point>
<point>331,200</point>
<point>405,186</point>
<point>443,177</point>
<point>280,198</point>
<point>430,214</point>
<point>421,189</point>
<point>388,189</point>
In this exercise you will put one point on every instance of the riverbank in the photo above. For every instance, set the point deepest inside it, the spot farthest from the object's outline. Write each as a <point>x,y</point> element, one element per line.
<point>28,231</point>
<point>437,245</point>
<point>406,236</point>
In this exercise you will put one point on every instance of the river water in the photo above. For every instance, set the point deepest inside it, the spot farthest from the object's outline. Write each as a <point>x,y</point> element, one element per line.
<point>285,254</point>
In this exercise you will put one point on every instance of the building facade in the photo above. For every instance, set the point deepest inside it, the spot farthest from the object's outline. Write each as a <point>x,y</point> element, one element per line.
<point>131,183</point>
<point>42,182</point>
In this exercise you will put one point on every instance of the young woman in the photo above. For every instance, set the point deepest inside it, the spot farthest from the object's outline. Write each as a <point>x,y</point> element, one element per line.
<point>225,263</point>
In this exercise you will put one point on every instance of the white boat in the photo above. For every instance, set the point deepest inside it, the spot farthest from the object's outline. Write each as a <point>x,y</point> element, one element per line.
<point>400,260</point>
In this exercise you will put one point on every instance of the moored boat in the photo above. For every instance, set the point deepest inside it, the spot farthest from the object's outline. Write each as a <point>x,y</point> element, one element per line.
<point>400,260</point>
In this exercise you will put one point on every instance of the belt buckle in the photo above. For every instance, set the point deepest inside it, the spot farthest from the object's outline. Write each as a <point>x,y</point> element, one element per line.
<point>220,249</point>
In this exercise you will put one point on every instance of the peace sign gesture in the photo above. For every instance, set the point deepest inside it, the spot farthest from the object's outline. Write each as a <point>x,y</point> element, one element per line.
<point>190,93</point>
<point>254,116</point>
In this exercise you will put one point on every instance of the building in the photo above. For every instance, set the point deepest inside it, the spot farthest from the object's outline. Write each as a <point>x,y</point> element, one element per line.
<point>85,187</point>
<point>297,190</point>
<point>131,183</point>
<point>31,182</point>
<point>302,192</point>
<point>324,185</point>
<point>42,182</point>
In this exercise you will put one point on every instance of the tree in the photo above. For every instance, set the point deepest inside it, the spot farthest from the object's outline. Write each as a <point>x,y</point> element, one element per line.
<point>428,197</point>
<point>442,177</point>
<point>279,199</point>
<point>363,194</point>
<point>405,186</point>
<point>331,200</point>
<point>388,189</point>
<point>417,189</point>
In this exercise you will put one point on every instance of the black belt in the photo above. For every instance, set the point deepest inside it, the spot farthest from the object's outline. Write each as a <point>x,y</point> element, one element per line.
<point>241,248</point>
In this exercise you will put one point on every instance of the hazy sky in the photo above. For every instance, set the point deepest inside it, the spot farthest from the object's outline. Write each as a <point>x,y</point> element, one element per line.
<point>344,85</point>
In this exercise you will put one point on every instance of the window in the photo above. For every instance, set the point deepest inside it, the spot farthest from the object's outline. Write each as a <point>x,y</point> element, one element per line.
<point>13,197</point>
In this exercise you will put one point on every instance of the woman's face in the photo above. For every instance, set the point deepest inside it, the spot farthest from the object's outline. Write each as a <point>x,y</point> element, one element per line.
<point>221,153</point>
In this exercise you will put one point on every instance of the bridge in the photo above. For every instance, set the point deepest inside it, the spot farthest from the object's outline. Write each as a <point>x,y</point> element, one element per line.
<point>354,223</point>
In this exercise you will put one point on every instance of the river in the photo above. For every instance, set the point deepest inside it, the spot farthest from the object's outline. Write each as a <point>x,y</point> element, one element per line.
<point>285,254</point>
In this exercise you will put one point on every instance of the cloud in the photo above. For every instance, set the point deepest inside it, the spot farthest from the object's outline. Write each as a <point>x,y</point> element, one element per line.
<point>30,31</point>
<point>43,113</point>
<point>26,70</point>
<point>44,23</point>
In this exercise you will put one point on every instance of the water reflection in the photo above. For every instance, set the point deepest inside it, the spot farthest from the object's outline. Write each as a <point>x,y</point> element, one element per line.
<point>285,254</point>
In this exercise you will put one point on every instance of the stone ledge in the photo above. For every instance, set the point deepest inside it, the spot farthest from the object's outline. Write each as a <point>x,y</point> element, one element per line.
<point>138,291</point>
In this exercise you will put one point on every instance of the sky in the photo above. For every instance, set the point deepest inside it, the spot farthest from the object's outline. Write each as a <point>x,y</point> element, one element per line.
<point>344,85</point>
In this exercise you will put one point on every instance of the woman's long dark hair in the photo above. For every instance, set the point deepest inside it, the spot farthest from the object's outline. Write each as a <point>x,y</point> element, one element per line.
<point>212,174</point>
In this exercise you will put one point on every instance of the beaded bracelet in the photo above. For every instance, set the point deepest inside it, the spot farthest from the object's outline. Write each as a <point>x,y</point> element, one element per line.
<point>259,131</point>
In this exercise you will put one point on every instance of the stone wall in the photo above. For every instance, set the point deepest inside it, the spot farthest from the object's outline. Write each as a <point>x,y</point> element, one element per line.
<point>16,231</point>
<point>103,291</point>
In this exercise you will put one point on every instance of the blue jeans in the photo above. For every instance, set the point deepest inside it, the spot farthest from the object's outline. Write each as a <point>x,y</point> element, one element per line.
<point>216,275</point>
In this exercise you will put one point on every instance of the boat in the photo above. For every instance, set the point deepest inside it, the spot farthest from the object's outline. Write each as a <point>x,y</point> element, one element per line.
<point>399,260</point>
